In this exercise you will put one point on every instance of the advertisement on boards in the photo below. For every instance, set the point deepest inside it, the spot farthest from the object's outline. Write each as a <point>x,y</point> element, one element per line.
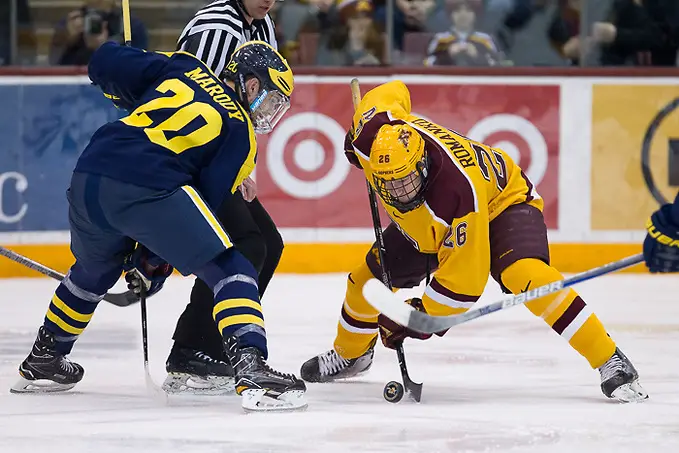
<point>305,181</point>
<point>635,153</point>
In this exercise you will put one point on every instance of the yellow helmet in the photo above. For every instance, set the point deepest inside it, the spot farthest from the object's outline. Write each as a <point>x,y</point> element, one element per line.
<point>398,163</point>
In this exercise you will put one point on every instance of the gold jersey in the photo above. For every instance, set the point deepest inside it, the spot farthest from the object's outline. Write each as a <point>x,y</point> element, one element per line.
<point>468,185</point>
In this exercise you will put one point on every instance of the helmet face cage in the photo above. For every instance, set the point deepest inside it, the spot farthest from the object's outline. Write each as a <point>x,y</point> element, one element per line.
<point>406,193</point>
<point>259,60</point>
<point>267,109</point>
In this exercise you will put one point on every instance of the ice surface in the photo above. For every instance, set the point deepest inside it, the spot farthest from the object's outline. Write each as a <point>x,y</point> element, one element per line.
<point>505,383</point>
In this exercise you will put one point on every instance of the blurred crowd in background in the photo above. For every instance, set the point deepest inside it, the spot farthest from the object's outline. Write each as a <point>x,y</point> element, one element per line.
<point>479,33</point>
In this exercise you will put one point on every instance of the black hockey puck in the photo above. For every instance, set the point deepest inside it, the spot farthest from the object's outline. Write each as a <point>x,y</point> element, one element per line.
<point>393,391</point>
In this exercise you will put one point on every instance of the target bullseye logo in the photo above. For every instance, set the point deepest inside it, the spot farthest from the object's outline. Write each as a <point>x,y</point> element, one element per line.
<point>308,155</point>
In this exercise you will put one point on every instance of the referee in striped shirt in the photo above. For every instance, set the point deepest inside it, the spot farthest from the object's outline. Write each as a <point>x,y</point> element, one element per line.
<point>212,35</point>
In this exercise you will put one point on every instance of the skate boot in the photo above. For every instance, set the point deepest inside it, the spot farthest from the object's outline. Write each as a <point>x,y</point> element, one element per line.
<point>190,371</point>
<point>45,369</point>
<point>330,366</point>
<point>262,388</point>
<point>620,381</point>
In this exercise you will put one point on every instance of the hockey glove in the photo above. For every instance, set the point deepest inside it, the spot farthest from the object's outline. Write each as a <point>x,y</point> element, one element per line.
<point>661,246</point>
<point>349,150</point>
<point>393,334</point>
<point>143,267</point>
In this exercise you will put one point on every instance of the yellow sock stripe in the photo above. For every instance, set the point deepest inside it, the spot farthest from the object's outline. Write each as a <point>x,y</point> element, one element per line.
<point>235,303</point>
<point>62,324</point>
<point>214,223</point>
<point>68,311</point>
<point>240,319</point>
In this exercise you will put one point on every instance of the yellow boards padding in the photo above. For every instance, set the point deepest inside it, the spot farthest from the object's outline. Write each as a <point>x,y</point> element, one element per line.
<point>327,258</point>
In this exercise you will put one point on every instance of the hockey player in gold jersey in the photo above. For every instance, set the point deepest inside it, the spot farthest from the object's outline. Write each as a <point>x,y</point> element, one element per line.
<point>463,210</point>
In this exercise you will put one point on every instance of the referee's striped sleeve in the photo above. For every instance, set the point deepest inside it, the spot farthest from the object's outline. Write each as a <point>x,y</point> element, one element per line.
<point>213,47</point>
<point>269,32</point>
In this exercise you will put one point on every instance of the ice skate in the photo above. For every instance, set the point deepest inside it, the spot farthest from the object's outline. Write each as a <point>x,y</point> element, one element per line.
<point>262,388</point>
<point>330,366</point>
<point>193,372</point>
<point>46,370</point>
<point>620,380</point>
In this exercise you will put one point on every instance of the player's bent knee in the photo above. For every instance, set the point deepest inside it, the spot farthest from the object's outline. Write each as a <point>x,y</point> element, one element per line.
<point>94,279</point>
<point>230,266</point>
<point>254,249</point>
<point>527,274</point>
<point>274,246</point>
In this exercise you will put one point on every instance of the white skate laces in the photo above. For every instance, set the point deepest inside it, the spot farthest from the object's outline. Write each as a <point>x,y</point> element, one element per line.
<point>67,366</point>
<point>611,367</point>
<point>331,362</point>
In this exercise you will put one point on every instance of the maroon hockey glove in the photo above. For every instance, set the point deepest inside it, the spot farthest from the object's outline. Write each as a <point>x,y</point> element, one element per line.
<point>393,334</point>
<point>349,150</point>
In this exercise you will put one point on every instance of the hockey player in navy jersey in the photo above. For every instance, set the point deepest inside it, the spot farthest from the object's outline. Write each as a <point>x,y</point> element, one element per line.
<point>142,196</point>
<point>661,246</point>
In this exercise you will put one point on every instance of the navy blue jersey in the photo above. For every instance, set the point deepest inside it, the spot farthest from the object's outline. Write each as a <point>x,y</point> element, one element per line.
<point>186,126</point>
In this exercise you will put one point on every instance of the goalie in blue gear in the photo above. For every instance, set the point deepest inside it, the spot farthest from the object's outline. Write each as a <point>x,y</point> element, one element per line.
<point>661,246</point>
<point>141,200</point>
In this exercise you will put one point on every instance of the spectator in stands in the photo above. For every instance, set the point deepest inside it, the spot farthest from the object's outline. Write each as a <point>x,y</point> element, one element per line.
<point>639,32</point>
<point>86,28</point>
<point>411,16</point>
<point>25,39</point>
<point>564,31</point>
<point>463,44</point>
<point>357,42</point>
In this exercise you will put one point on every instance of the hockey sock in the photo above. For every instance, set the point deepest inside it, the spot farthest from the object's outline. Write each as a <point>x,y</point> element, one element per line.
<point>565,312</point>
<point>237,311</point>
<point>74,302</point>
<point>357,327</point>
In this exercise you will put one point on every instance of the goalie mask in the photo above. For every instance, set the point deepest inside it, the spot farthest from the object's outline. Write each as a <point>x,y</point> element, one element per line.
<point>260,60</point>
<point>399,166</point>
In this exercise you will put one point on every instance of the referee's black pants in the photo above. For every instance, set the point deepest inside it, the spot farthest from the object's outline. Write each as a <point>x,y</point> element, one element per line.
<point>255,235</point>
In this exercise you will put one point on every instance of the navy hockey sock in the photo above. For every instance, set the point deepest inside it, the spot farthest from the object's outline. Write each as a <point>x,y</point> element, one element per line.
<point>74,303</point>
<point>237,311</point>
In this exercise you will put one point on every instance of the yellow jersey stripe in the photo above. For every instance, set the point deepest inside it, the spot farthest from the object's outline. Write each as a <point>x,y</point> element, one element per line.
<point>62,324</point>
<point>68,311</point>
<point>235,303</point>
<point>207,214</point>
<point>240,319</point>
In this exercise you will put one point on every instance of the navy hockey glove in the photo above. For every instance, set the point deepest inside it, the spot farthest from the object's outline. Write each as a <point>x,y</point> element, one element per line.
<point>143,267</point>
<point>392,334</point>
<point>661,246</point>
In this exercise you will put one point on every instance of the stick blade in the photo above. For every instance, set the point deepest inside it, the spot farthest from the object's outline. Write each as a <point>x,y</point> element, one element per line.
<point>386,302</point>
<point>395,308</point>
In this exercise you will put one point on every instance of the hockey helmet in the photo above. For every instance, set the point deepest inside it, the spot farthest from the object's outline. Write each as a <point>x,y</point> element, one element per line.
<point>398,163</point>
<point>259,59</point>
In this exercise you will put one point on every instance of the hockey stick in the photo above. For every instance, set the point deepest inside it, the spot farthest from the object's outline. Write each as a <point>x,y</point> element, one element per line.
<point>117,299</point>
<point>155,390</point>
<point>411,388</point>
<point>393,307</point>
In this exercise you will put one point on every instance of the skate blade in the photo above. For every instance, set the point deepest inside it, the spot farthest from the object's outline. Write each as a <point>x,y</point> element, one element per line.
<point>183,383</point>
<point>24,385</point>
<point>630,393</point>
<point>256,400</point>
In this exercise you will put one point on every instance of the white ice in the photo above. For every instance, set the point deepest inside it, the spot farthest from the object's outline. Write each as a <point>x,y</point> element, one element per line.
<point>505,383</point>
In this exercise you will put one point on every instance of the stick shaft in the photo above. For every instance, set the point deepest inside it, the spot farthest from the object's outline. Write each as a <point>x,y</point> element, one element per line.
<point>411,387</point>
<point>127,27</point>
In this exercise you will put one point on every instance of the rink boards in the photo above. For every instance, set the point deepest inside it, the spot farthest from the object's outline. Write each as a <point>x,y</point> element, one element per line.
<point>601,151</point>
